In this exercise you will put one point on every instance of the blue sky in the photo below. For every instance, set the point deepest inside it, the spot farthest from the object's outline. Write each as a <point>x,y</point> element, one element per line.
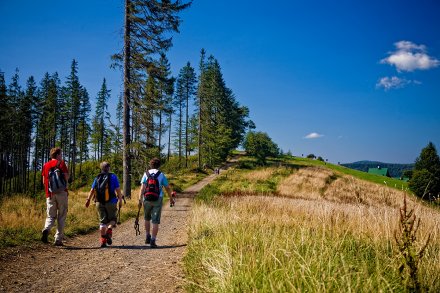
<point>345,80</point>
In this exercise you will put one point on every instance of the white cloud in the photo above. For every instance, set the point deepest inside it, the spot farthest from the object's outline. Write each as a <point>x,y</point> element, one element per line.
<point>408,46</point>
<point>409,57</point>
<point>313,135</point>
<point>394,82</point>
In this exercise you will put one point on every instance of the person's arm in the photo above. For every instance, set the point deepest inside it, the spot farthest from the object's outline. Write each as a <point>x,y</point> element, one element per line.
<point>91,194</point>
<point>169,190</point>
<point>119,193</point>
<point>141,193</point>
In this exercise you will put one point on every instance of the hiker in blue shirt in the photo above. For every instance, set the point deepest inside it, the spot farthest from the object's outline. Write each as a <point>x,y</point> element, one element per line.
<point>105,187</point>
<point>151,197</point>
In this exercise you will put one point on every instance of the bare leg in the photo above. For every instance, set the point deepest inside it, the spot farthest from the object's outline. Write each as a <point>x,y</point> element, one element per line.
<point>147,227</point>
<point>155,230</point>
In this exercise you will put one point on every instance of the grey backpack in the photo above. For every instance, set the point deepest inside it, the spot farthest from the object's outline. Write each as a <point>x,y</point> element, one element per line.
<point>57,182</point>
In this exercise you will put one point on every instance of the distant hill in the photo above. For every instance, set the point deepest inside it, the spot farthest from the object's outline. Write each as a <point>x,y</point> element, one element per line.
<point>395,170</point>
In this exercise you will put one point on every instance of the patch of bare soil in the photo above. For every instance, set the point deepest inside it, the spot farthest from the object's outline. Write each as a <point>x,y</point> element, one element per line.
<point>129,265</point>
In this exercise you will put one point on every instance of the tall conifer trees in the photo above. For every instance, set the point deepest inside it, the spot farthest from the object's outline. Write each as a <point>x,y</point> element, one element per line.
<point>100,131</point>
<point>146,28</point>
<point>185,91</point>
<point>222,122</point>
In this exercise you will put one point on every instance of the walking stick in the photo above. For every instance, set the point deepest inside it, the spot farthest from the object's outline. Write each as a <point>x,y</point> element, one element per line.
<point>136,223</point>
<point>119,211</point>
<point>119,215</point>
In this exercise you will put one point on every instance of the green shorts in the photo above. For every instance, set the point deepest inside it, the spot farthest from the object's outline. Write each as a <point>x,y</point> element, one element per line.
<point>107,212</point>
<point>152,210</point>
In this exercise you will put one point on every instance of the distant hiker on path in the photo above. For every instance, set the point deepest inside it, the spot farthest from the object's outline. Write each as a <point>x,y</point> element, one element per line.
<point>104,190</point>
<point>55,177</point>
<point>151,197</point>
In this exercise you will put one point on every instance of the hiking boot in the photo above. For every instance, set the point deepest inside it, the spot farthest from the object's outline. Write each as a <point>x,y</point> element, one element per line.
<point>58,243</point>
<point>148,240</point>
<point>153,243</point>
<point>103,241</point>
<point>44,236</point>
<point>109,236</point>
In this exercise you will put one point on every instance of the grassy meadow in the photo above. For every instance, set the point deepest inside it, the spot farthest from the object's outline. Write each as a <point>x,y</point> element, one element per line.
<point>304,227</point>
<point>22,217</point>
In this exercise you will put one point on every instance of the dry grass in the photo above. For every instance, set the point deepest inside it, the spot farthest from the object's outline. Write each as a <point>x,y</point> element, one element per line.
<point>350,190</point>
<point>308,183</point>
<point>327,233</point>
<point>21,211</point>
<point>259,175</point>
<point>23,218</point>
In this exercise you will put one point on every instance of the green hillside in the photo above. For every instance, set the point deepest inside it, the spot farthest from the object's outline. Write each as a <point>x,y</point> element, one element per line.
<point>391,182</point>
<point>395,170</point>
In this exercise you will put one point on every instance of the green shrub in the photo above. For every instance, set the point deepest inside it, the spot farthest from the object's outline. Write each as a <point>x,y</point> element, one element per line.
<point>424,184</point>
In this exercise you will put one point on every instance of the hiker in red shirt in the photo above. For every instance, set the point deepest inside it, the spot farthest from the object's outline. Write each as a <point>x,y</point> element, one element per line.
<point>55,177</point>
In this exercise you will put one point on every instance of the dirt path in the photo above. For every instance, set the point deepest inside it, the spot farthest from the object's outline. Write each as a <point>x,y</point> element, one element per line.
<point>127,266</point>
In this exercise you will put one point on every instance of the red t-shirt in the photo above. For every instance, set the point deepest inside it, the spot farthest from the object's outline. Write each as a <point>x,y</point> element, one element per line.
<point>52,163</point>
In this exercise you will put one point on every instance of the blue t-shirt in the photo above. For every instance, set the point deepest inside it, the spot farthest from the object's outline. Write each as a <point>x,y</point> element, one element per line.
<point>163,181</point>
<point>114,183</point>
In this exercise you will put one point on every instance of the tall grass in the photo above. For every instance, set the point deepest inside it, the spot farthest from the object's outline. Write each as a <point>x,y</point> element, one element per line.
<point>325,233</point>
<point>23,218</point>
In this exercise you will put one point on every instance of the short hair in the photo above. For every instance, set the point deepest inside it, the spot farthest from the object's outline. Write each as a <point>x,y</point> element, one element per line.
<point>54,152</point>
<point>105,167</point>
<point>155,163</point>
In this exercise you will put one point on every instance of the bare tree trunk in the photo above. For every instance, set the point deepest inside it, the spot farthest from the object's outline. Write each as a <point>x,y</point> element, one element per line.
<point>35,159</point>
<point>169,137</point>
<point>200,134</point>
<point>180,135</point>
<point>186,127</point>
<point>126,132</point>
<point>160,132</point>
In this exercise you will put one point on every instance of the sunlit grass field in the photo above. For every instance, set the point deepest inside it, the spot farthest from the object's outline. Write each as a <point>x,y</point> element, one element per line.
<point>304,228</point>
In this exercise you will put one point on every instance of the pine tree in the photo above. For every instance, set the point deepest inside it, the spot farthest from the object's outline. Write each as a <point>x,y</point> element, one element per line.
<point>84,128</point>
<point>165,88</point>
<point>146,28</point>
<point>179,103</point>
<point>425,181</point>
<point>117,127</point>
<point>37,111</point>
<point>27,117</point>
<point>149,106</point>
<point>99,136</point>
<point>222,121</point>
<point>73,94</point>
<point>14,148</point>
<point>5,134</point>
<point>201,92</point>
<point>428,160</point>
<point>189,90</point>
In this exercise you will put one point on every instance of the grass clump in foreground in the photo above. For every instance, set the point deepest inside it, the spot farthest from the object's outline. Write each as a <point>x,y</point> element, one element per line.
<point>326,240</point>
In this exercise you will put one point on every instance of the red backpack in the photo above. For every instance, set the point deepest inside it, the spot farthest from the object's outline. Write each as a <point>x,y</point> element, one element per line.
<point>152,191</point>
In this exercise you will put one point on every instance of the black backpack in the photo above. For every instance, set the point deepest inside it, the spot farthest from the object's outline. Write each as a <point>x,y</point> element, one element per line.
<point>102,188</point>
<point>152,191</point>
<point>57,182</point>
